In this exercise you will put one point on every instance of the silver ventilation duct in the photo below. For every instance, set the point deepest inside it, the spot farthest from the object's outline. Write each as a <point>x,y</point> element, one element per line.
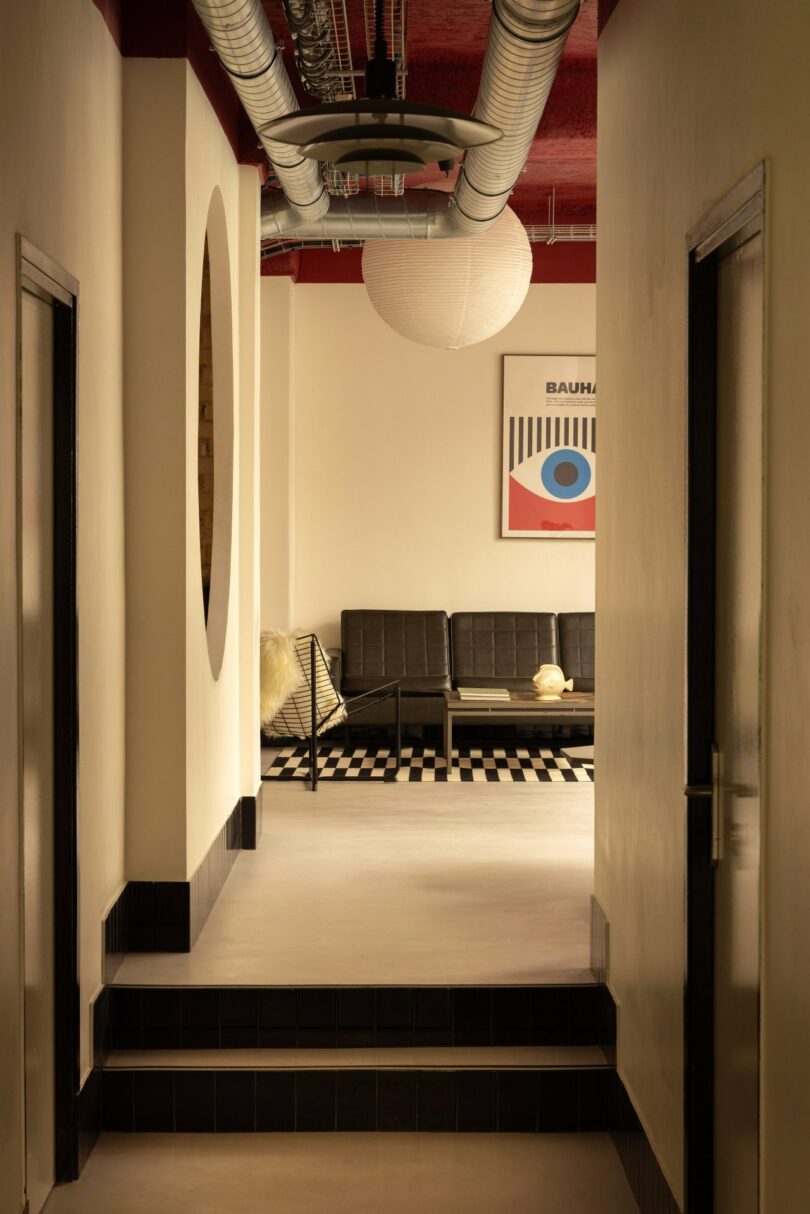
<point>418,215</point>
<point>526,41</point>
<point>241,36</point>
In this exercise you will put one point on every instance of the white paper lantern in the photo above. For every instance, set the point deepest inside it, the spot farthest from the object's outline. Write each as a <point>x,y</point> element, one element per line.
<point>453,292</point>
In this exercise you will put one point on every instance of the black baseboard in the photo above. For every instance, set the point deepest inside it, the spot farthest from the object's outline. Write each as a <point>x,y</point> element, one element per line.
<point>650,1187</point>
<point>641,1167</point>
<point>206,885</point>
<point>115,930</point>
<point>599,941</point>
<point>599,965</point>
<point>89,1107</point>
<point>168,916</point>
<point>252,819</point>
<point>101,1013</point>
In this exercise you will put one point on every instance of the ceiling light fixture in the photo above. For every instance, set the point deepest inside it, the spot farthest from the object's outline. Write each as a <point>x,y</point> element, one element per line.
<point>450,293</point>
<point>380,134</point>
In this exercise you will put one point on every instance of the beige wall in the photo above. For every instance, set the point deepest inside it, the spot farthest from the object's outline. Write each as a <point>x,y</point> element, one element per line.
<point>249,482</point>
<point>395,457</point>
<point>186,767</point>
<point>126,217</point>
<point>60,151</point>
<point>213,747</point>
<point>155,437</point>
<point>692,96</point>
<point>277,467</point>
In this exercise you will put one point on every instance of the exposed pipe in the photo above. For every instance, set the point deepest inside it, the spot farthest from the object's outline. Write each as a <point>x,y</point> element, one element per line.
<point>526,41</point>
<point>418,215</point>
<point>241,36</point>
<point>310,26</point>
<point>538,233</point>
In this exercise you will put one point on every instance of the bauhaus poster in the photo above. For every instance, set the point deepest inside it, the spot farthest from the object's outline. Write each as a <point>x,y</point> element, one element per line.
<point>549,446</point>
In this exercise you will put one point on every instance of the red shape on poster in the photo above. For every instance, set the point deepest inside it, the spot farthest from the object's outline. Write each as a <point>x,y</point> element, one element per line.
<point>530,512</point>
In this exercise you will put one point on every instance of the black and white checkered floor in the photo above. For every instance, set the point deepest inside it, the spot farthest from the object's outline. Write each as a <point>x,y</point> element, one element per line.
<point>474,763</point>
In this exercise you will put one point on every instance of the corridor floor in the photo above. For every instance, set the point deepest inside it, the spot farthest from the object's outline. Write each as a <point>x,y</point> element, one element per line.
<point>349,1174</point>
<point>409,884</point>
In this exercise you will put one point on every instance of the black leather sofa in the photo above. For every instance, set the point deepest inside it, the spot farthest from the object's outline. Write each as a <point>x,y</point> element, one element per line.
<point>430,652</point>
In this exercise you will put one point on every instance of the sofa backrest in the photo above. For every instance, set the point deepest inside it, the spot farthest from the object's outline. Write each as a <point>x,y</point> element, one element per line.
<point>412,646</point>
<point>577,630</point>
<point>502,648</point>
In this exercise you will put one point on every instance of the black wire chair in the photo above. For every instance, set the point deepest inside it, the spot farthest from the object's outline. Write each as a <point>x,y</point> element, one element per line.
<point>317,705</point>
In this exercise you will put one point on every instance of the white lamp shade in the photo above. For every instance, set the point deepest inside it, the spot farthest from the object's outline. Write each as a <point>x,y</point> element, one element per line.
<point>454,292</point>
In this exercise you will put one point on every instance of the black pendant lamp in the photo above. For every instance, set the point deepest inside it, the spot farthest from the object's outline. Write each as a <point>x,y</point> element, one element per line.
<point>380,134</point>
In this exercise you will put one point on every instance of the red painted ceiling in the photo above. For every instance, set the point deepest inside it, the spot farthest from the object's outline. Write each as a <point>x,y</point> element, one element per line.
<point>445,47</point>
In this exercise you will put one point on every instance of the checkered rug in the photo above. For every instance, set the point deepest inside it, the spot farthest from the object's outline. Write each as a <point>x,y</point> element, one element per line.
<point>481,763</point>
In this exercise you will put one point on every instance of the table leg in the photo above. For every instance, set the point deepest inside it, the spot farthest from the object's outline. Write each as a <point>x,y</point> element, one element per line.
<point>448,738</point>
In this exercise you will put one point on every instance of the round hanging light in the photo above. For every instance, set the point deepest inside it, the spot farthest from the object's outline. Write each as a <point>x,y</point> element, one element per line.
<point>454,292</point>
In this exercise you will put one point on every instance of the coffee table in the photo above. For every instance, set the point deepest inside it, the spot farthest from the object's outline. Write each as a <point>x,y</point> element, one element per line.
<point>575,707</point>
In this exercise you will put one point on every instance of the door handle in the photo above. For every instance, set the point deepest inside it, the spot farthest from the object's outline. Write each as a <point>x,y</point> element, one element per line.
<point>711,792</point>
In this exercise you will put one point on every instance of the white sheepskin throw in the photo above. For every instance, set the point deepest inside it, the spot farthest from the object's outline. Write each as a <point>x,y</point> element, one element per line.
<point>279,672</point>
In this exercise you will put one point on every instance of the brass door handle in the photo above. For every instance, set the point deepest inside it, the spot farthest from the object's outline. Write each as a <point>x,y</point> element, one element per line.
<point>711,792</point>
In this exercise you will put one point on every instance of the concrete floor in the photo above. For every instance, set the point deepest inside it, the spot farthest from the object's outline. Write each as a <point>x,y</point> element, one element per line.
<point>349,1174</point>
<point>401,884</point>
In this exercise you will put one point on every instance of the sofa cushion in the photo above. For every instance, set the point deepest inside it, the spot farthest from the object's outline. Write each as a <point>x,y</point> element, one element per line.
<point>502,648</point>
<point>577,629</point>
<point>412,646</point>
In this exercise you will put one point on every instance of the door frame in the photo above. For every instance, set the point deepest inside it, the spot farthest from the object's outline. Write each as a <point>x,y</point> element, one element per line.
<point>39,275</point>
<point>743,208</point>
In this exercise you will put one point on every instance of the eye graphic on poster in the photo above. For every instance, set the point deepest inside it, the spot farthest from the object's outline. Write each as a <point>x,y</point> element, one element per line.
<point>549,446</point>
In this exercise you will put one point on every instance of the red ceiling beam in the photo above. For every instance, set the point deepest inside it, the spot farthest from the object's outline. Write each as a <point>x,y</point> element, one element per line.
<point>171,29</point>
<point>111,12</point>
<point>566,261</point>
<point>606,8</point>
<point>447,44</point>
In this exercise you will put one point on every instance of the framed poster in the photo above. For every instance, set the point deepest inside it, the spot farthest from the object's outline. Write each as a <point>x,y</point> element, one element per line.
<point>549,446</point>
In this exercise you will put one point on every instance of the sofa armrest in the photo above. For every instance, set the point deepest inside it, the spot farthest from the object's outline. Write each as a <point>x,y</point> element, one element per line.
<point>335,657</point>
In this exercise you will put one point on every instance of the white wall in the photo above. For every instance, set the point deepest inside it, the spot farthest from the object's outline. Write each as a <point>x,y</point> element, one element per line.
<point>186,766</point>
<point>691,97</point>
<point>60,151</point>
<point>155,448</point>
<point>136,250</point>
<point>213,753</point>
<point>396,465</point>
<point>277,466</point>
<point>249,482</point>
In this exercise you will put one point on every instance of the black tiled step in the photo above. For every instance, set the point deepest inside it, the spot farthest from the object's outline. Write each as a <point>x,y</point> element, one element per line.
<point>326,1017</point>
<point>437,1100</point>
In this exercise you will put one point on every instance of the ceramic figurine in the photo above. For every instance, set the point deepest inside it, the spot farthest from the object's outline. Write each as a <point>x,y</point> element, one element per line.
<point>550,683</point>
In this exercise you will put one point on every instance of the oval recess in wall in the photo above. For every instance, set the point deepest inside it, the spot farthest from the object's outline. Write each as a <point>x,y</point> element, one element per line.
<point>215,428</point>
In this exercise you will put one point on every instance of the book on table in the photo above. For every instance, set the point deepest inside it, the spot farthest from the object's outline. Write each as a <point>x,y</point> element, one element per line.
<point>483,693</point>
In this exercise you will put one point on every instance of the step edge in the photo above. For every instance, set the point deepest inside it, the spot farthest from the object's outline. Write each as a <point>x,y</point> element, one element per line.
<point>422,1066</point>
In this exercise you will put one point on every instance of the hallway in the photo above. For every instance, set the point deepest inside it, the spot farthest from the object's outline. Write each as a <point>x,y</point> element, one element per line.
<point>458,914</point>
<point>350,1174</point>
<point>303,308</point>
<point>415,884</point>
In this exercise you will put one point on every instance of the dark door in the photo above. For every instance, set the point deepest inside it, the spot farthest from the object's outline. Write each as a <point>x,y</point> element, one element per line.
<point>48,645</point>
<point>724,705</point>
